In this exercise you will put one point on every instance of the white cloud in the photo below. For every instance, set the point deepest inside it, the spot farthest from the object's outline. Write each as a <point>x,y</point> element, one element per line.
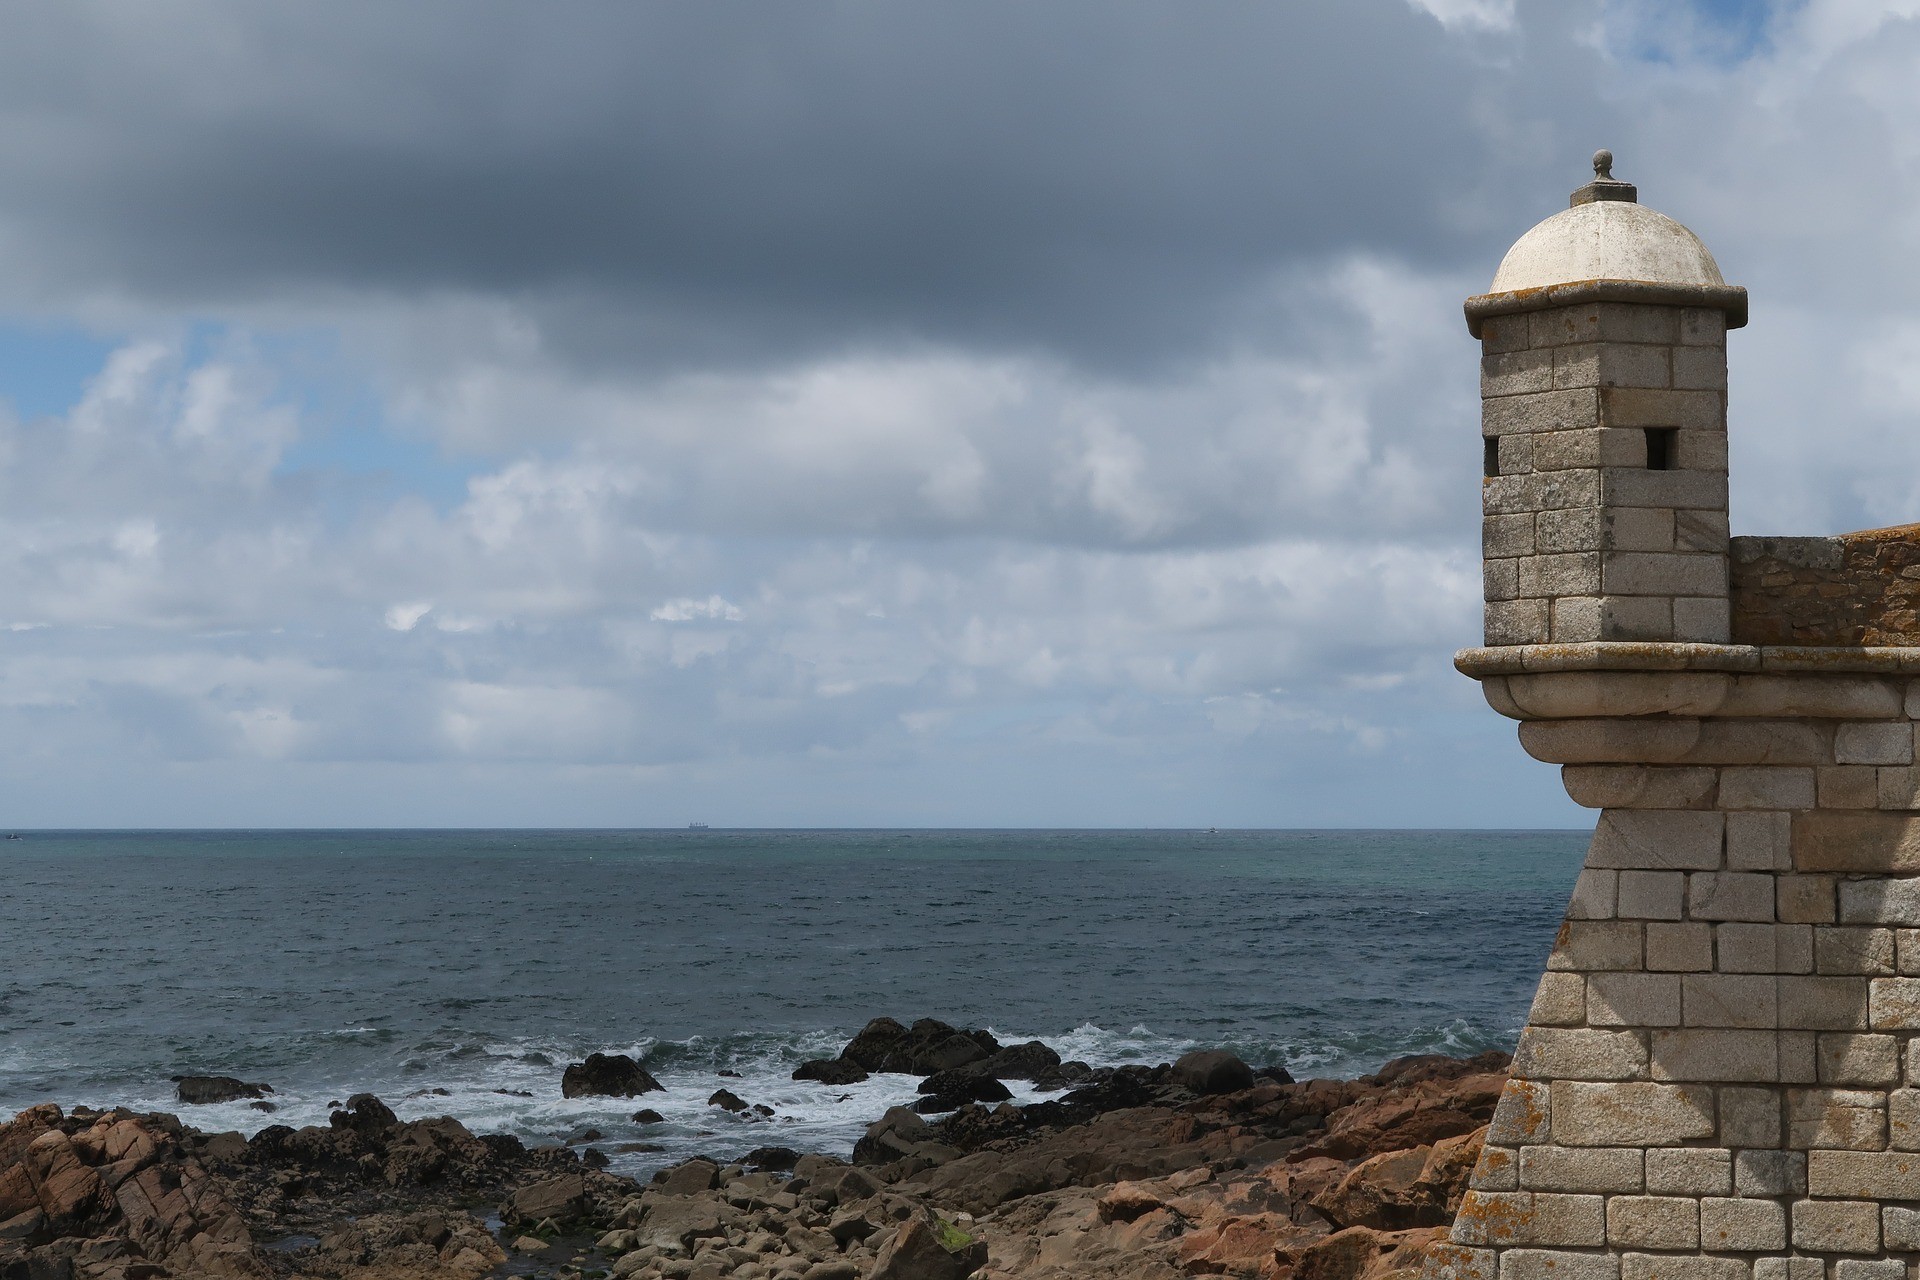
<point>903,574</point>
<point>688,610</point>
<point>404,617</point>
<point>1494,15</point>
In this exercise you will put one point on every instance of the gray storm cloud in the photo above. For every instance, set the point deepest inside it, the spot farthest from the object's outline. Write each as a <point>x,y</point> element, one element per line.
<point>726,181</point>
<point>1004,413</point>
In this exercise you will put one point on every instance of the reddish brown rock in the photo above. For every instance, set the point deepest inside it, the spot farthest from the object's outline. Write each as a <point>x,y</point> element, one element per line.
<point>112,1192</point>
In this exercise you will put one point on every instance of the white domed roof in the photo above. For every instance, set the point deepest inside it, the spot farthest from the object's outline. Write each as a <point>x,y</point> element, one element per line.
<point>1607,239</point>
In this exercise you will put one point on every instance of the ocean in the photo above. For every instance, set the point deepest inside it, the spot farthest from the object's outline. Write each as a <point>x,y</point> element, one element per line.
<point>458,972</point>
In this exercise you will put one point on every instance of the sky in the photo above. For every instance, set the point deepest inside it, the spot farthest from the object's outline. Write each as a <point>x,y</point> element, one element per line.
<point>854,414</point>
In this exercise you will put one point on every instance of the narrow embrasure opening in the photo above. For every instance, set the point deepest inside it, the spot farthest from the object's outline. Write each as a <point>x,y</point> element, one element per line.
<point>1660,450</point>
<point>1492,459</point>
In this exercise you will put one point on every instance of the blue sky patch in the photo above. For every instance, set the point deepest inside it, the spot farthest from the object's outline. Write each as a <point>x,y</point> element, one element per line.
<point>1722,32</point>
<point>44,370</point>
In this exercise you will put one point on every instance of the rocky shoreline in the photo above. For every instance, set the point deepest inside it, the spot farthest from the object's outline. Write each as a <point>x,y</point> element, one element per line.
<point>1201,1167</point>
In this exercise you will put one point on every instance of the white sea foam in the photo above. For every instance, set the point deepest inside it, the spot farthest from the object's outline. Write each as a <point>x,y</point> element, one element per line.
<point>513,1086</point>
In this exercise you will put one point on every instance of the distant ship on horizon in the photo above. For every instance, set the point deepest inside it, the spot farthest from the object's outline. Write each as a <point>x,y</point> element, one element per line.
<point>697,826</point>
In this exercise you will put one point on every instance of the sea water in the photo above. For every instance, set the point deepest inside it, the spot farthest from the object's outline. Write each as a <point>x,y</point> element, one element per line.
<point>458,972</point>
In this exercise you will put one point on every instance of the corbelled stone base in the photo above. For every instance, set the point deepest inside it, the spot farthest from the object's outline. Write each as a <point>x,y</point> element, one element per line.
<point>1720,1075</point>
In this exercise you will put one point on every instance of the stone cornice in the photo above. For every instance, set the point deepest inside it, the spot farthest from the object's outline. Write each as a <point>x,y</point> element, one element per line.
<point>1729,298</point>
<point>1619,655</point>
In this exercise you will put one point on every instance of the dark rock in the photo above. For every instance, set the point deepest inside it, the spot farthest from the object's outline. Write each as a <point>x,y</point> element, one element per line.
<point>1029,1061</point>
<point>269,1141</point>
<point>364,1114</point>
<point>503,1146</point>
<point>729,1075</point>
<point>1276,1073</point>
<point>895,1135</point>
<point>594,1158</point>
<point>831,1071</point>
<point>267,1107</point>
<point>223,1148</point>
<point>948,1090</point>
<point>607,1076</point>
<point>727,1099</point>
<point>772,1159</point>
<point>199,1090</point>
<point>762,1109</point>
<point>1211,1071</point>
<point>929,1045</point>
<point>875,1041</point>
<point>647,1115</point>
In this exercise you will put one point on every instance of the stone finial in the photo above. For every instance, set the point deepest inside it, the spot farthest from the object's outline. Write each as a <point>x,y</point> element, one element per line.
<point>1604,185</point>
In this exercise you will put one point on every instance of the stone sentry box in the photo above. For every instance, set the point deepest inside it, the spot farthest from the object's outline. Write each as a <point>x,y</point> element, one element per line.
<point>1720,1075</point>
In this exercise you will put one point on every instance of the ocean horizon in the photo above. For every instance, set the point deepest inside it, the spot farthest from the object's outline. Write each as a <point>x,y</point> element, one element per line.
<point>457,971</point>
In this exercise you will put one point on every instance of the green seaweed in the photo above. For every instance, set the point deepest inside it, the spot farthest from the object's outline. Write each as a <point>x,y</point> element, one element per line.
<point>951,1238</point>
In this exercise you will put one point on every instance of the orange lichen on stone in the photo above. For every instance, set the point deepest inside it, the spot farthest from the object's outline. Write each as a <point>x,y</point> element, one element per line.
<point>1494,1218</point>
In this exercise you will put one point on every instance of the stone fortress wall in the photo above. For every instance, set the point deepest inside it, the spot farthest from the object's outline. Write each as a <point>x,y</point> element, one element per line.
<point>1720,1075</point>
<point>1855,589</point>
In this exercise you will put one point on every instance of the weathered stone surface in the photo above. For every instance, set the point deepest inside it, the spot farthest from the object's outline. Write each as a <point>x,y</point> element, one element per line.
<point>1527,1217</point>
<point>1679,948</point>
<point>1634,999</point>
<point>1613,1170</point>
<point>1590,945</point>
<point>1864,1175</point>
<point>1730,895</point>
<point>1653,1222</point>
<point>1674,840</point>
<point>1554,1264</point>
<point>1633,786</point>
<point>1717,1055</point>
<point>1856,842</point>
<point>1742,1226</point>
<point>1836,1226</point>
<point>1523,1115</point>
<point>1553,1053</point>
<point>1846,590</point>
<point>1836,1119</point>
<point>1770,1173</point>
<point>1630,1114</point>
<point>1689,1171</point>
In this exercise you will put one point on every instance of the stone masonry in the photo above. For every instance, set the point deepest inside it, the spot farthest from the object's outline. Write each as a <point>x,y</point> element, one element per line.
<point>1584,540</point>
<point>1720,1074</point>
<point>1854,589</point>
